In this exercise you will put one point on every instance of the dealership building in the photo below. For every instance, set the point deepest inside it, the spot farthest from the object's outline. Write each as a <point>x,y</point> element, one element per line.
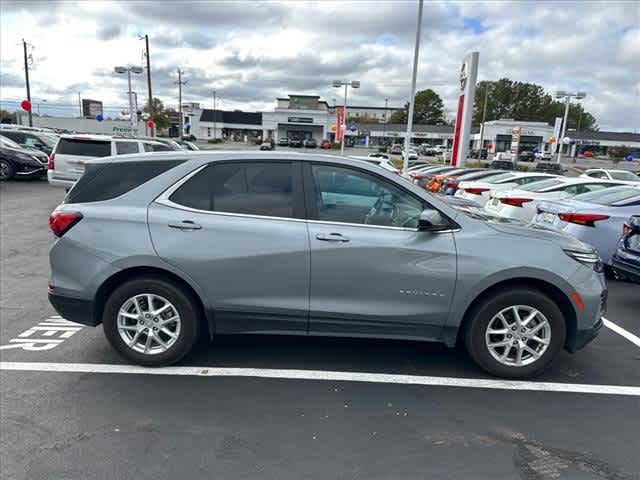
<point>308,116</point>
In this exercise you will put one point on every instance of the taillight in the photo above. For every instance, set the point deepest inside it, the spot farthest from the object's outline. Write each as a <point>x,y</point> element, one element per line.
<point>587,219</point>
<point>515,201</point>
<point>61,222</point>
<point>51,165</point>
<point>476,190</point>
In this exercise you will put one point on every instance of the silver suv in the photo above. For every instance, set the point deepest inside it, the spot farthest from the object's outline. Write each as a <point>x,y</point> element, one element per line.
<point>164,248</point>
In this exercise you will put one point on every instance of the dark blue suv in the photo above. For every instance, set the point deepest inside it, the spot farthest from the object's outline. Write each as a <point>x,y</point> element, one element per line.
<point>626,260</point>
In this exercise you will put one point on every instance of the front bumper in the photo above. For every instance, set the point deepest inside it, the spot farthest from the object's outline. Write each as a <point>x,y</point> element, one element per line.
<point>74,309</point>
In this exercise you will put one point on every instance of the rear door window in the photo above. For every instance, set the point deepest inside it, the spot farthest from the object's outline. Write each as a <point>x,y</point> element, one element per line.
<point>123,148</point>
<point>84,147</point>
<point>260,188</point>
<point>106,181</point>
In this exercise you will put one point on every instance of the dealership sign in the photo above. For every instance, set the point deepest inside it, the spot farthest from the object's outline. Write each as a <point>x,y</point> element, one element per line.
<point>462,131</point>
<point>300,120</point>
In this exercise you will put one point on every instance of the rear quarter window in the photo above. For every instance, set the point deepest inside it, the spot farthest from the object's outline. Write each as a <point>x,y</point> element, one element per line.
<point>84,148</point>
<point>107,181</point>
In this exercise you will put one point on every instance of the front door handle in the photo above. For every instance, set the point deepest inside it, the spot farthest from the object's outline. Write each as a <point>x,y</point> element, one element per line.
<point>185,225</point>
<point>332,237</point>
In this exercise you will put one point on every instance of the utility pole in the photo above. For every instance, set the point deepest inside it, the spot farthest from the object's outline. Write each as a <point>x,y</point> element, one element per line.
<point>180,120</point>
<point>386,119</point>
<point>80,105</point>
<point>151,112</point>
<point>214,114</point>
<point>26,78</point>
<point>407,138</point>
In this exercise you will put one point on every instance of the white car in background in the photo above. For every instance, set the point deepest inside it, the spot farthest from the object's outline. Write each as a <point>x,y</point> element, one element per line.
<point>413,155</point>
<point>480,190</point>
<point>381,162</point>
<point>609,174</point>
<point>521,204</point>
<point>73,151</point>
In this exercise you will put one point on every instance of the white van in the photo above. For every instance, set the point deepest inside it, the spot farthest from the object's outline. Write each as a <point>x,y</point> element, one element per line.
<point>66,162</point>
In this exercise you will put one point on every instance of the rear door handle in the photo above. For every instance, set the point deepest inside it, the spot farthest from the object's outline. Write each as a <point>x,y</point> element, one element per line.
<point>332,237</point>
<point>185,225</point>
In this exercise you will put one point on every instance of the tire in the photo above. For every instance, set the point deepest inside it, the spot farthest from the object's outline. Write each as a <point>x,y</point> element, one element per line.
<point>477,338</point>
<point>185,331</point>
<point>7,170</point>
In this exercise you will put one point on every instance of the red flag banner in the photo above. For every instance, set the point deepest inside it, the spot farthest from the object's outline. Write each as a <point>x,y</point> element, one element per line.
<point>339,123</point>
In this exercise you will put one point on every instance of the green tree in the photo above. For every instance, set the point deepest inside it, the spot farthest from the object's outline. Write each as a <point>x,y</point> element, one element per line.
<point>159,114</point>
<point>7,117</point>
<point>428,109</point>
<point>526,101</point>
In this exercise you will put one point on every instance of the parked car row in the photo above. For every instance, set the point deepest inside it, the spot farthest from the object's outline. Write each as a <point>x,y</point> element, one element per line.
<point>31,152</point>
<point>595,208</point>
<point>299,143</point>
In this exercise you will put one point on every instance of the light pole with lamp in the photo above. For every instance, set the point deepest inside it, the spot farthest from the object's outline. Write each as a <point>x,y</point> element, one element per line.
<point>567,96</point>
<point>346,84</point>
<point>128,71</point>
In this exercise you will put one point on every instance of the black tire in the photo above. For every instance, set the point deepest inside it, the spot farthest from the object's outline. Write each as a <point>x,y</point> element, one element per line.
<point>7,170</point>
<point>185,304</point>
<point>475,328</point>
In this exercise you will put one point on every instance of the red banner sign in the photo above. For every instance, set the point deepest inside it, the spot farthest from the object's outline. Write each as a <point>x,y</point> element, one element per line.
<point>339,123</point>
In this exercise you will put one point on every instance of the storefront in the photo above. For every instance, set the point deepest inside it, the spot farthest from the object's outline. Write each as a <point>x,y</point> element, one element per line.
<point>498,136</point>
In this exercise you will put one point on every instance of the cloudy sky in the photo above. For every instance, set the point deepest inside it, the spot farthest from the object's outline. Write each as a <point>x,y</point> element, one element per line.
<point>253,52</point>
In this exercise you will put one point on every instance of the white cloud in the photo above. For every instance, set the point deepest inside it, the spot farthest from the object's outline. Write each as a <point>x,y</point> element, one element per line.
<point>252,53</point>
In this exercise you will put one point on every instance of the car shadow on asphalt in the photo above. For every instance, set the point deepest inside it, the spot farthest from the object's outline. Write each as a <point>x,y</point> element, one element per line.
<point>330,353</point>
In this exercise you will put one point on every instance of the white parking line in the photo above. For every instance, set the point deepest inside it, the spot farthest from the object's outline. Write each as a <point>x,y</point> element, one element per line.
<point>621,331</point>
<point>321,375</point>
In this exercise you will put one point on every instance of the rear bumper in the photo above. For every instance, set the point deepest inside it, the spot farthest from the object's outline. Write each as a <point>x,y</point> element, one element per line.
<point>74,309</point>
<point>58,182</point>
<point>626,268</point>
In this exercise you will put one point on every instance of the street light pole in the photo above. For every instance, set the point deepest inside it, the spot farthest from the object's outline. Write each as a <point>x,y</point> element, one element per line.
<point>345,119</point>
<point>346,84</point>
<point>484,116</point>
<point>180,120</point>
<point>132,114</point>
<point>567,96</point>
<point>151,112</point>
<point>416,51</point>
<point>214,114</point>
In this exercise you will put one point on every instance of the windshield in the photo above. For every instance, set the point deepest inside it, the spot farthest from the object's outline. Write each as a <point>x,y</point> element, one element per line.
<point>502,178</point>
<point>610,196</point>
<point>629,176</point>
<point>541,185</point>
<point>48,140</point>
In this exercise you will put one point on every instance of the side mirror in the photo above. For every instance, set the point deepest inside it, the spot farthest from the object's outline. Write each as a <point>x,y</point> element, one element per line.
<point>432,221</point>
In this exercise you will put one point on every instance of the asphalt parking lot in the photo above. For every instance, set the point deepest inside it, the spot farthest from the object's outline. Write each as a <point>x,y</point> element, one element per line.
<point>289,408</point>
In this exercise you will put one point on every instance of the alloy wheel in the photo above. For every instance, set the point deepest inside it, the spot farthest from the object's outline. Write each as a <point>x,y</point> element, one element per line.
<point>518,335</point>
<point>148,323</point>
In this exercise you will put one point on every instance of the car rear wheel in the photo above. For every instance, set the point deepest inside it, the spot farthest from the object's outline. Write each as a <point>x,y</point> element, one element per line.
<point>151,322</point>
<point>7,170</point>
<point>516,333</point>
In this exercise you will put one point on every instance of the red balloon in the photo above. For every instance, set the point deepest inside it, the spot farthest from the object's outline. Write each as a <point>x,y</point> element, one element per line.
<point>150,123</point>
<point>26,105</point>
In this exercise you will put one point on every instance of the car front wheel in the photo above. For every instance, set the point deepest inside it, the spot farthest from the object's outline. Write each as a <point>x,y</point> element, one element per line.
<point>7,170</point>
<point>516,333</point>
<point>151,322</point>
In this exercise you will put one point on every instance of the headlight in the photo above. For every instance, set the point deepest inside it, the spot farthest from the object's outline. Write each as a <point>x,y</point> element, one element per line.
<point>589,259</point>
